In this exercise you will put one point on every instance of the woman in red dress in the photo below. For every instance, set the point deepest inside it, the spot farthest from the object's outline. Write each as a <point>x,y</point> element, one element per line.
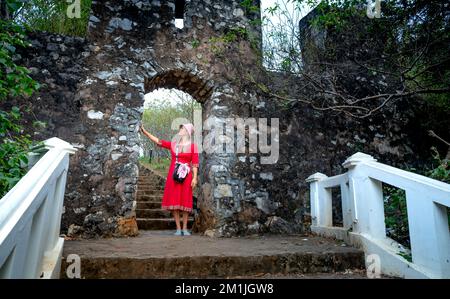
<point>178,196</point>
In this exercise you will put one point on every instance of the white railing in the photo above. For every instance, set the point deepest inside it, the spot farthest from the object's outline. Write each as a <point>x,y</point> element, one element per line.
<point>364,219</point>
<point>30,217</point>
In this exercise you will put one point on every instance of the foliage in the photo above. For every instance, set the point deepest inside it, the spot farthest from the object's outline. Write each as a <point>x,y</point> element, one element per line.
<point>14,82</point>
<point>440,172</point>
<point>337,13</point>
<point>396,217</point>
<point>18,17</point>
<point>250,5</point>
<point>15,79</point>
<point>348,58</point>
<point>13,150</point>
<point>406,255</point>
<point>161,165</point>
<point>53,16</point>
<point>195,43</point>
<point>160,117</point>
<point>218,43</point>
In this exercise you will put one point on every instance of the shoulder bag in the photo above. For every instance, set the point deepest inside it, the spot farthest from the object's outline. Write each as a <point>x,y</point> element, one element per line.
<point>181,170</point>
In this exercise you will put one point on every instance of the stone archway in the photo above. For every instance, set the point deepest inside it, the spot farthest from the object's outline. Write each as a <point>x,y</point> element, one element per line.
<point>214,169</point>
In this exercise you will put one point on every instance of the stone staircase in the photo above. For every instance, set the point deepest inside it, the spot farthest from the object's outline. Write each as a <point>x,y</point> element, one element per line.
<point>149,215</point>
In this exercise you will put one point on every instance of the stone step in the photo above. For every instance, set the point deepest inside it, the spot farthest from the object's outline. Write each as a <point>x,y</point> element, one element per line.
<point>145,186</point>
<point>159,223</point>
<point>148,205</point>
<point>150,181</point>
<point>151,177</point>
<point>152,213</point>
<point>160,254</point>
<point>153,197</point>
<point>149,192</point>
<point>150,184</point>
<point>153,186</point>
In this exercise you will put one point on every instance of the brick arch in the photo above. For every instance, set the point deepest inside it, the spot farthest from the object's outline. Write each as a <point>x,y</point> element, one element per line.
<point>184,80</point>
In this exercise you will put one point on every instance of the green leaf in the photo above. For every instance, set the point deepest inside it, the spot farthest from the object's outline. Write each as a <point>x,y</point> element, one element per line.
<point>24,159</point>
<point>15,112</point>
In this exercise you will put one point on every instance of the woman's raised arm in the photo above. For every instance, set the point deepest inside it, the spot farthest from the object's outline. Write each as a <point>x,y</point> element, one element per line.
<point>150,136</point>
<point>161,142</point>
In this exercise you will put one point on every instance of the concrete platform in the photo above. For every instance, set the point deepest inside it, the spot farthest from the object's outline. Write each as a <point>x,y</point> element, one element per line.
<point>159,254</point>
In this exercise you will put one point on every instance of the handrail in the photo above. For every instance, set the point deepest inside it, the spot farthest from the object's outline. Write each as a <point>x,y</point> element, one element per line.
<point>363,215</point>
<point>30,217</point>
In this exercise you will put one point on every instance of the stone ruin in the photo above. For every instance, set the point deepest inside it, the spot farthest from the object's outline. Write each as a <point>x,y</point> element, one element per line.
<point>94,97</point>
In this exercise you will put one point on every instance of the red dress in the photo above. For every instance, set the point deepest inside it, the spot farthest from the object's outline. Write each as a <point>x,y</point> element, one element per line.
<point>178,196</point>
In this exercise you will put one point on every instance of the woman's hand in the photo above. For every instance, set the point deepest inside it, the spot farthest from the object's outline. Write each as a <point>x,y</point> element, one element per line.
<point>150,136</point>
<point>194,183</point>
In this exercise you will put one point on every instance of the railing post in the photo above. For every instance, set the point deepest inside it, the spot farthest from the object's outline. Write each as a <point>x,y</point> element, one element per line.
<point>429,234</point>
<point>321,205</point>
<point>366,195</point>
<point>61,145</point>
<point>347,209</point>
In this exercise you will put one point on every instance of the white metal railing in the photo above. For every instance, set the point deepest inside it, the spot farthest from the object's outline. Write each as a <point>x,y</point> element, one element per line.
<point>30,217</point>
<point>364,220</point>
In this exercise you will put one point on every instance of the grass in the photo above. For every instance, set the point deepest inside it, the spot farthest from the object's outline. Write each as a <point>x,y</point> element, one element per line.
<point>159,165</point>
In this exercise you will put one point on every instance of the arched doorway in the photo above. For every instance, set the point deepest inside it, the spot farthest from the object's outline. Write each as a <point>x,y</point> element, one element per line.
<point>183,84</point>
<point>164,111</point>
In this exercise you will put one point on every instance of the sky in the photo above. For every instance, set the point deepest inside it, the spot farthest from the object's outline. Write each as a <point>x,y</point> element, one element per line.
<point>160,96</point>
<point>289,4</point>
